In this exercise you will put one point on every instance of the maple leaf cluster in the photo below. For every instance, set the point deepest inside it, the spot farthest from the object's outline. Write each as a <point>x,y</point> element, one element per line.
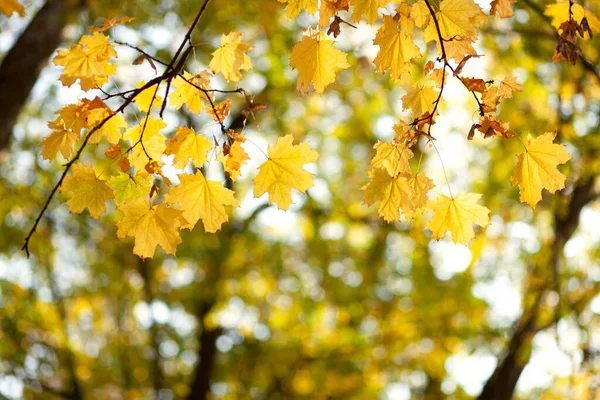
<point>154,209</point>
<point>135,176</point>
<point>453,26</point>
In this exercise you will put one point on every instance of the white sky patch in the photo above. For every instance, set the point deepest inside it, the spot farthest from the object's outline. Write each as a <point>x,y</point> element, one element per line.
<point>470,371</point>
<point>547,361</point>
<point>396,391</point>
<point>503,297</point>
<point>448,258</point>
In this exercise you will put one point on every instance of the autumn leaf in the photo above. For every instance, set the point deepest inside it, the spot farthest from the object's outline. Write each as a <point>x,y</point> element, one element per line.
<point>87,62</point>
<point>147,97</point>
<point>128,187</point>
<point>421,184</point>
<point>233,160</point>
<point>396,47</point>
<point>111,130</point>
<point>220,111</point>
<point>457,47</point>
<point>457,216</point>
<point>153,141</point>
<point>508,86</point>
<point>368,8</point>
<point>294,7</point>
<point>559,12</point>
<point>284,171</point>
<point>391,156</point>
<point>62,141</point>
<point>97,45</point>
<point>502,8</point>
<point>317,61</point>
<point>150,227</point>
<point>189,95</point>
<point>474,84</point>
<point>393,193</point>
<point>111,23</point>
<point>231,58</point>
<point>329,8</point>
<point>536,168</point>
<point>86,190</point>
<point>9,7</point>
<point>187,145</point>
<point>455,18</point>
<point>199,198</point>
<point>490,99</point>
<point>419,99</point>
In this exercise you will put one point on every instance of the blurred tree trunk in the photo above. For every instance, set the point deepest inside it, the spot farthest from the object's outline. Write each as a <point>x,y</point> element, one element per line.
<point>23,63</point>
<point>501,385</point>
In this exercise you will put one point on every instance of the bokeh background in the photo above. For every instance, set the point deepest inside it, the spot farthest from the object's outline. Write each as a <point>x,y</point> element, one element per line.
<point>324,301</point>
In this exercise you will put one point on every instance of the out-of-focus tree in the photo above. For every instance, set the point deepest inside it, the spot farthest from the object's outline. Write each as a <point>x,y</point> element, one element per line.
<point>324,300</point>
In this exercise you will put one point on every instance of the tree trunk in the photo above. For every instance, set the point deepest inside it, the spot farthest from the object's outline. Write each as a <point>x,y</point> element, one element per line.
<point>23,63</point>
<point>208,350</point>
<point>501,385</point>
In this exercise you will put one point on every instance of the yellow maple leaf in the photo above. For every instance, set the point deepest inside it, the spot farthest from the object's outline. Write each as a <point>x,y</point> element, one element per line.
<point>368,8</point>
<point>559,12</point>
<point>419,99</point>
<point>421,184</point>
<point>199,198</point>
<point>147,96</point>
<point>458,47</point>
<point>98,45</point>
<point>150,226</point>
<point>153,141</point>
<point>129,187</point>
<point>502,8</point>
<point>188,144</point>
<point>111,129</point>
<point>318,62</point>
<point>187,94</point>
<point>329,8</point>
<point>396,47</point>
<point>455,18</point>
<point>536,168</point>
<point>231,57</point>
<point>457,216</point>
<point>75,117</point>
<point>87,191</point>
<point>88,65</point>
<point>62,141</point>
<point>233,161</point>
<point>284,171</point>
<point>490,99</point>
<point>508,86</point>
<point>393,193</point>
<point>294,7</point>
<point>391,156</point>
<point>420,14</point>
<point>110,23</point>
<point>9,7</point>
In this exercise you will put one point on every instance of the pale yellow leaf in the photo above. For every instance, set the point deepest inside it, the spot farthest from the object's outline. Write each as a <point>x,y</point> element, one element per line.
<point>536,168</point>
<point>317,61</point>
<point>230,58</point>
<point>393,193</point>
<point>86,190</point>
<point>150,227</point>
<point>199,198</point>
<point>284,171</point>
<point>457,216</point>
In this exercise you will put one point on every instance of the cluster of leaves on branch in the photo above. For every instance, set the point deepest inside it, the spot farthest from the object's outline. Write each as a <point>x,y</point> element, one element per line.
<point>399,187</point>
<point>154,209</point>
